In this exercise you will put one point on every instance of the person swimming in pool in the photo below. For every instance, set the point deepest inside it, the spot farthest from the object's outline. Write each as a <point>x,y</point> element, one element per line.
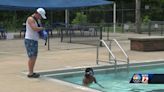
<point>89,77</point>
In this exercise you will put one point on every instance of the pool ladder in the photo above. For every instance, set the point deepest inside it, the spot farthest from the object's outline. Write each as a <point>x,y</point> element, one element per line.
<point>113,59</point>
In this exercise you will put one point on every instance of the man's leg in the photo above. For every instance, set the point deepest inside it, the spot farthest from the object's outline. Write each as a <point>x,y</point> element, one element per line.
<point>32,51</point>
<point>31,64</point>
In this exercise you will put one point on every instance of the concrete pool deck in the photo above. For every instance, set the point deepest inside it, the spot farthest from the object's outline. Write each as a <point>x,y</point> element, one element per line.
<point>13,61</point>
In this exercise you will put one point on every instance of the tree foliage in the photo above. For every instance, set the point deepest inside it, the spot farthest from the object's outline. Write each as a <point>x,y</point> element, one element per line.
<point>125,13</point>
<point>80,19</point>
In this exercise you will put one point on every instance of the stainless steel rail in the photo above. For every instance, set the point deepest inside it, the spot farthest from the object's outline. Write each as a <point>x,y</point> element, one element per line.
<point>111,54</point>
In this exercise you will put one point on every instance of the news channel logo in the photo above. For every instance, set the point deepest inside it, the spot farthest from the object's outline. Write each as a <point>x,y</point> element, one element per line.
<point>140,78</point>
<point>137,78</point>
<point>145,78</point>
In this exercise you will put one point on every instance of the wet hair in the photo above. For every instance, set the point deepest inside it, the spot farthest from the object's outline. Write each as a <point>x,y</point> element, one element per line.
<point>89,71</point>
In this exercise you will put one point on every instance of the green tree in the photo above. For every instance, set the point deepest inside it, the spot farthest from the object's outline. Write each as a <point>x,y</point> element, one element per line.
<point>146,19</point>
<point>80,19</point>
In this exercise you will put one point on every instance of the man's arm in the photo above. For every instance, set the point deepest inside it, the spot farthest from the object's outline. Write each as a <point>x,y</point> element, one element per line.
<point>94,79</point>
<point>32,24</point>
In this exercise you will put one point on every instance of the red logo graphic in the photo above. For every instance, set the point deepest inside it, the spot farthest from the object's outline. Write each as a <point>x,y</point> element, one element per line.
<point>145,78</point>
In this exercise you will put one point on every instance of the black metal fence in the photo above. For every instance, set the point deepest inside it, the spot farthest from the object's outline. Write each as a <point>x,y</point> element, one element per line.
<point>88,34</point>
<point>156,28</point>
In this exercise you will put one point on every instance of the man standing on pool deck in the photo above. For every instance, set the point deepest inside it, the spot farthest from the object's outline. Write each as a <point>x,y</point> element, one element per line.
<point>31,39</point>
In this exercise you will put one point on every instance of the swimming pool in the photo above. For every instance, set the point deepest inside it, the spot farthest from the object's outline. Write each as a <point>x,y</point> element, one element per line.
<point>115,82</point>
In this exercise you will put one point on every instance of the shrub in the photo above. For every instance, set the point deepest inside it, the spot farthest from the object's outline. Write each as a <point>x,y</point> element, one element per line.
<point>80,19</point>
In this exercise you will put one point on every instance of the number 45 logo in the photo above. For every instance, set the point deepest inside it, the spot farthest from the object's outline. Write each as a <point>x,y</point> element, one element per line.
<point>145,78</point>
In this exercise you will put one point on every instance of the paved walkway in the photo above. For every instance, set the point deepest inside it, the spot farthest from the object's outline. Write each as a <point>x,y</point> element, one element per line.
<point>13,61</point>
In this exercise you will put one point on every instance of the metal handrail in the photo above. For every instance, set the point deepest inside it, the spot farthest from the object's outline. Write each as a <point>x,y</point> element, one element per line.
<point>121,48</point>
<point>114,58</point>
<point>111,53</point>
<point>108,49</point>
<point>123,52</point>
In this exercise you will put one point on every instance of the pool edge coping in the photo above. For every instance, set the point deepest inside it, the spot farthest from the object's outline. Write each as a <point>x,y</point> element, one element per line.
<point>83,88</point>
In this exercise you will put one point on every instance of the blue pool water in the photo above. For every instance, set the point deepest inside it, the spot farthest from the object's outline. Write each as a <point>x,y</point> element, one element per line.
<point>119,82</point>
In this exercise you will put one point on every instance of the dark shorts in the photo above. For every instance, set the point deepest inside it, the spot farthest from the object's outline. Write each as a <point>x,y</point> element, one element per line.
<point>31,47</point>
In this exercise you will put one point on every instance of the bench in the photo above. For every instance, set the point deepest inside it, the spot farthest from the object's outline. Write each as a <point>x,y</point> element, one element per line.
<point>150,43</point>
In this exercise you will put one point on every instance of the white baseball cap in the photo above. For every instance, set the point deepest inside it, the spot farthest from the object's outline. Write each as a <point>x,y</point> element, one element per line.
<point>42,12</point>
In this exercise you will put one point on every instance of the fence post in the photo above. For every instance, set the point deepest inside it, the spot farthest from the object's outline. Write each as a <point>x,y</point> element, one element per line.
<point>161,29</point>
<point>100,35</point>
<point>149,28</point>
<point>48,40</point>
<point>61,35</point>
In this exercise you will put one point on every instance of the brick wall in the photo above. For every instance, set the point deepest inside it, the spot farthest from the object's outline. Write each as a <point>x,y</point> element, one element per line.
<point>147,45</point>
